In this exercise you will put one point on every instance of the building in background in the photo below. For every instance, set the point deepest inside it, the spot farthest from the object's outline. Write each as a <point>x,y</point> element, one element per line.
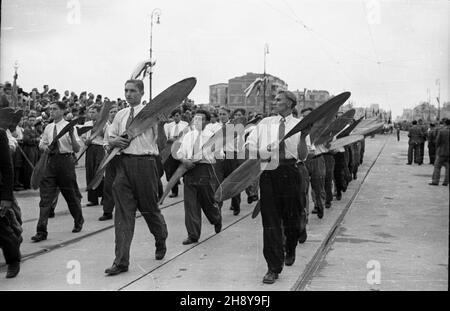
<point>235,90</point>
<point>313,98</point>
<point>218,94</point>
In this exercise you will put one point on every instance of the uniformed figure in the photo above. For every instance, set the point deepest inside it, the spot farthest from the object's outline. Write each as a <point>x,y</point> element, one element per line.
<point>94,156</point>
<point>201,180</point>
<point>339,173</point>
<point>10,219</point>
<point>282,202</point>
<point>442,155</point>
<point>415,140</point>
<point>424,129</point>
<point>173,130</point>
<point>110,172</point>
<point>31,138</point>
<point>135,186</point>
<point>315,164</point>
<point>432,135</point>
<point>60,172</point>
<point>328,157</point>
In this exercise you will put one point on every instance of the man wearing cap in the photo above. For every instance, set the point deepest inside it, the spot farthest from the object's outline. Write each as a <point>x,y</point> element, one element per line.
<point>432,135</point>
<point>10,219</point>
<point>282,195</point>
<point>136,183</point>
<point>60,172</point>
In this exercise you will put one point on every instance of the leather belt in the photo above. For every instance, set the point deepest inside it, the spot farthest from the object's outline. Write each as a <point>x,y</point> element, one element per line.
<point>138,155</point>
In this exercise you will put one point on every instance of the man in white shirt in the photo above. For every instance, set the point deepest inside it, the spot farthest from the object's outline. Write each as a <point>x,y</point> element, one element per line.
<point>135,186</point>
<point>173,130</point>
<point>201,181</point>
<point>110,172</point>
<point>94,156</point>
<point>282,194</point>
<point>60,173</point>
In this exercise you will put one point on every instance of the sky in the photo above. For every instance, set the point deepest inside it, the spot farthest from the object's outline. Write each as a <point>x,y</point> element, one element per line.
<point>385,52</point>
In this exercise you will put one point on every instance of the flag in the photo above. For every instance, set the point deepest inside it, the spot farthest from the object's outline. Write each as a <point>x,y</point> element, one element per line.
<point>253,86</point>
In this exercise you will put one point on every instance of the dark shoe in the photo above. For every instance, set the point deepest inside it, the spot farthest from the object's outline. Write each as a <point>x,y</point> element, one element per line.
<point>189,241</point>
<point>290,258</point>
<point>327,204</point>
<point>314,211</point>
<point>218,227</point>
<point>303,237</point>
<point>252,198</point>
<point>173,195</point>
<point>13,270</point>
<point>408,163</point>
<point>161,250</point>
<point>39,237</point>
<point>114,270</point>
<point>320,213</point>
<point>445,184</point>
<point>433,184</point>
<point>92,204</point>
<point>339,196</point>
<point>77,228</point>
<point>105,217</point>
<point>236,211</point>
<point>52,214</point>
<point>270,277</point>
<point>355,177</point>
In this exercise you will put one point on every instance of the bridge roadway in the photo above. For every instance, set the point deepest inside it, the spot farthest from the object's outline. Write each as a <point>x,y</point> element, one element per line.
<point>389,214</point>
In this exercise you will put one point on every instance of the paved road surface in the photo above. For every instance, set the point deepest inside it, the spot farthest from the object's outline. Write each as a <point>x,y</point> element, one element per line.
<point>393,217</point>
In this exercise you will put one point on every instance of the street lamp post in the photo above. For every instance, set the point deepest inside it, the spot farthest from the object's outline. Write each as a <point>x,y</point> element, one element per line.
<point>14,90</point>
<point>155,13</point>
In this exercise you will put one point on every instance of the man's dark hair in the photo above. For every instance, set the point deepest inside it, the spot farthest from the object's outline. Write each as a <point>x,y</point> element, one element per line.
<point>96,107</point>
<point>414,122</point>
<point>306,109</point>
<point>242,110</point>
<point>204,112</point>
<point>138,83</point>
<point>60,105</point>
<point>290,96</point>
<point>447,122</point>
<point>175,111</point>
<point>225,109</point>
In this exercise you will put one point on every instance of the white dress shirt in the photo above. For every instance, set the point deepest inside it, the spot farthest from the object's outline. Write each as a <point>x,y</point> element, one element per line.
<point>174,129</point>
<point>266,133</point>
<point>191,149</point>
<point>65,142</point>
<point>97,140</point>
<point>142,144</point>
<point>12,141</point>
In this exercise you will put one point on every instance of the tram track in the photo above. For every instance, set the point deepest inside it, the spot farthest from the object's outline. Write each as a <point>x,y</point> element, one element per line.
<point>307,275</point>
<point>75,240</point>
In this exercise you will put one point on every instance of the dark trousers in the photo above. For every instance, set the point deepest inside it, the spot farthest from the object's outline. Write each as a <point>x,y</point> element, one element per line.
<point>438,164</point>
<point>227,167</point>
<point>414,149</point>
<point>11,234</point>
<point>339,175</point>
<point>422,152</point>
<point>60,174</point>
<point>94,156</point>
<point>432,152</point>
<point>170,166</point>
<point>110,175</point>
<point>199,187</point>
<point>362,150</point>
<point>317,173</point>
<point>329,175</point>
<point>282,209</point>
<point>136,188</point>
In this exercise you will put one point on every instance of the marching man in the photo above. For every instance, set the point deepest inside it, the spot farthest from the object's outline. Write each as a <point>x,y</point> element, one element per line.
<point>283,198</point>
